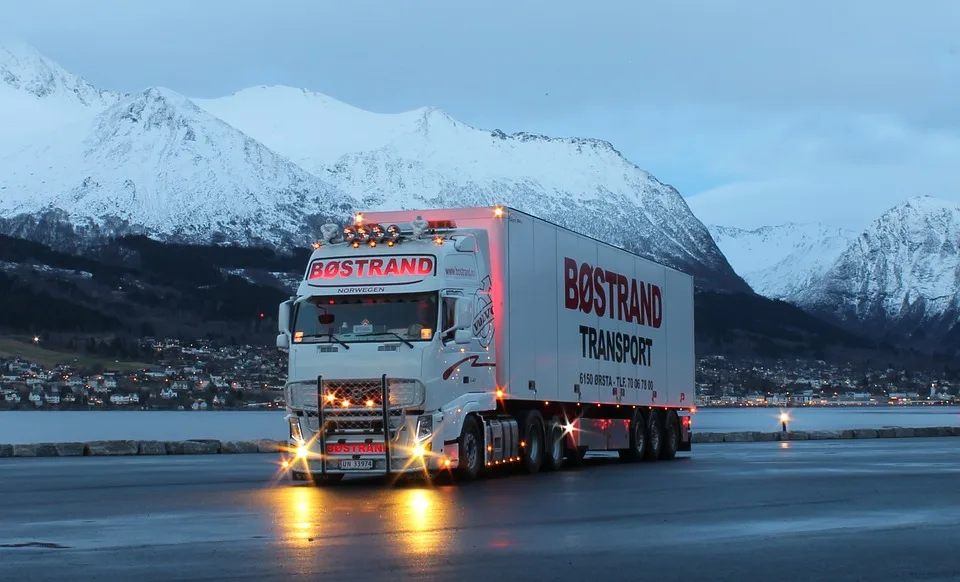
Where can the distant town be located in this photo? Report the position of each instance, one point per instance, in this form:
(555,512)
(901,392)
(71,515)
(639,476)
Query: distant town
(198,376)
(788,383)
(203,376)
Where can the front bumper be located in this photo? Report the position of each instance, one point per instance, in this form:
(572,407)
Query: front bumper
(412,450)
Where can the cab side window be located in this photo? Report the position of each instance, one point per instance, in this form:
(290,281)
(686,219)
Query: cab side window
(447,319)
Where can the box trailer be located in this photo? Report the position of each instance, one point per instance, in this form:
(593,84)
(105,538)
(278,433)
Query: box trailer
(466,339)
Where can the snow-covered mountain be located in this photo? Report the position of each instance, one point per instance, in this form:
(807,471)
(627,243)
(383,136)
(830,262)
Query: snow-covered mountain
(781,261)
(310,128)
(252,167)
(900,277)
(155,163)
(37,95)
(425,158)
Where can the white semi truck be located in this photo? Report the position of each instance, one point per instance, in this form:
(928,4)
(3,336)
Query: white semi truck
(467,339)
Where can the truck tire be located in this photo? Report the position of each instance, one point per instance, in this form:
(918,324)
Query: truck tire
(671,436)
(638,439)
(471,450)
(531,434)
(654,435)
(554,446)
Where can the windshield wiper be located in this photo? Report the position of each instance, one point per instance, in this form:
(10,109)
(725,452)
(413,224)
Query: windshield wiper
(331,336)
(393,333)
(338,340)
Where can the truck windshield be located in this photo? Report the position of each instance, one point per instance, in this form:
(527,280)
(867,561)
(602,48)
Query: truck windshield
(365,318)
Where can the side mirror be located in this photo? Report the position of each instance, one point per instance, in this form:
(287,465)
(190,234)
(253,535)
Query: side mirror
(462,336)
(326,318)
(283,341)
(283,318)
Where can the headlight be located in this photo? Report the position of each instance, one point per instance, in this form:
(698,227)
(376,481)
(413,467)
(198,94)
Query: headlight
(424,428)
(296,434)
(406,393)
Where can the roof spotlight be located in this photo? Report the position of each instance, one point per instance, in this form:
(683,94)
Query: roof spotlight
(393,233)
(376,232)
(349,233)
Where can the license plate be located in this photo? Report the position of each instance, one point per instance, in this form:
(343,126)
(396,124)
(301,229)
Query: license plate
(353,464)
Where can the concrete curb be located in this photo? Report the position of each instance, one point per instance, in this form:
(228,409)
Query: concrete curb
(141,448)
(264,446)
(800,435)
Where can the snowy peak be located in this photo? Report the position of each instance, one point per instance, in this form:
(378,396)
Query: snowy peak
(310,128)
(902,273)
(780,261)
(23,68)
(37,95)
(155,162)
(425,158)
(915,218)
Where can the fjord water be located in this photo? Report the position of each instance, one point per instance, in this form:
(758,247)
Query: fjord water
(71,426)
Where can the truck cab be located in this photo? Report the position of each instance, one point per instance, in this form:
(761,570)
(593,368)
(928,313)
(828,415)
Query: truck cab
(390,346)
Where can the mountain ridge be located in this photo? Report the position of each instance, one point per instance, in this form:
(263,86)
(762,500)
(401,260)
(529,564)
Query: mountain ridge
(98,177)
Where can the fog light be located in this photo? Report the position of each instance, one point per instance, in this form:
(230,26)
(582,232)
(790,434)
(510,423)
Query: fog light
(418,451)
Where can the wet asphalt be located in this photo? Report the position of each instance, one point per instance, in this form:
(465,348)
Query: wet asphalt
(819,510)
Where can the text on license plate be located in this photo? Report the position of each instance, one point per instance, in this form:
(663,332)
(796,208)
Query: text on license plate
(348,464)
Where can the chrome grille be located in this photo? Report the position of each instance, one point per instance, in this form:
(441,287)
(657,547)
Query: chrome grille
(356,406)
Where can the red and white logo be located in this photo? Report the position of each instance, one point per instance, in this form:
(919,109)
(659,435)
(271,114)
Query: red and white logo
(371,267)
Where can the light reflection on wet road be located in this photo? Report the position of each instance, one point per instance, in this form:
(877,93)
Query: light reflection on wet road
(882,509)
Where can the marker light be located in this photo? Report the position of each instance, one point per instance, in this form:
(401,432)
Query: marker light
(316,246)
(498,211)
(499,393)
(358,218)
(438,240)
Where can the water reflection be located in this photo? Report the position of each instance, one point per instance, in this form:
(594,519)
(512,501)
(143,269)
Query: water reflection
(299,513)
(420,519)
(325,528)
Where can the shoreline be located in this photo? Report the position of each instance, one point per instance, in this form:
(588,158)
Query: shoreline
(272,446)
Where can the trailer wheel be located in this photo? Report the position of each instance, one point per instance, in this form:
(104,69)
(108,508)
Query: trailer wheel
(654,435)
(555,446)
(471,450)
(671,436)
(531,435)
(638,439)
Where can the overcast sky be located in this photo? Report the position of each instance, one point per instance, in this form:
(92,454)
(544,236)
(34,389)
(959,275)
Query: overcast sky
(758,112)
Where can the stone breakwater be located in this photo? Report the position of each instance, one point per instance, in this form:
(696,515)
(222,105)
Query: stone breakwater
(800,435)
(263,446)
